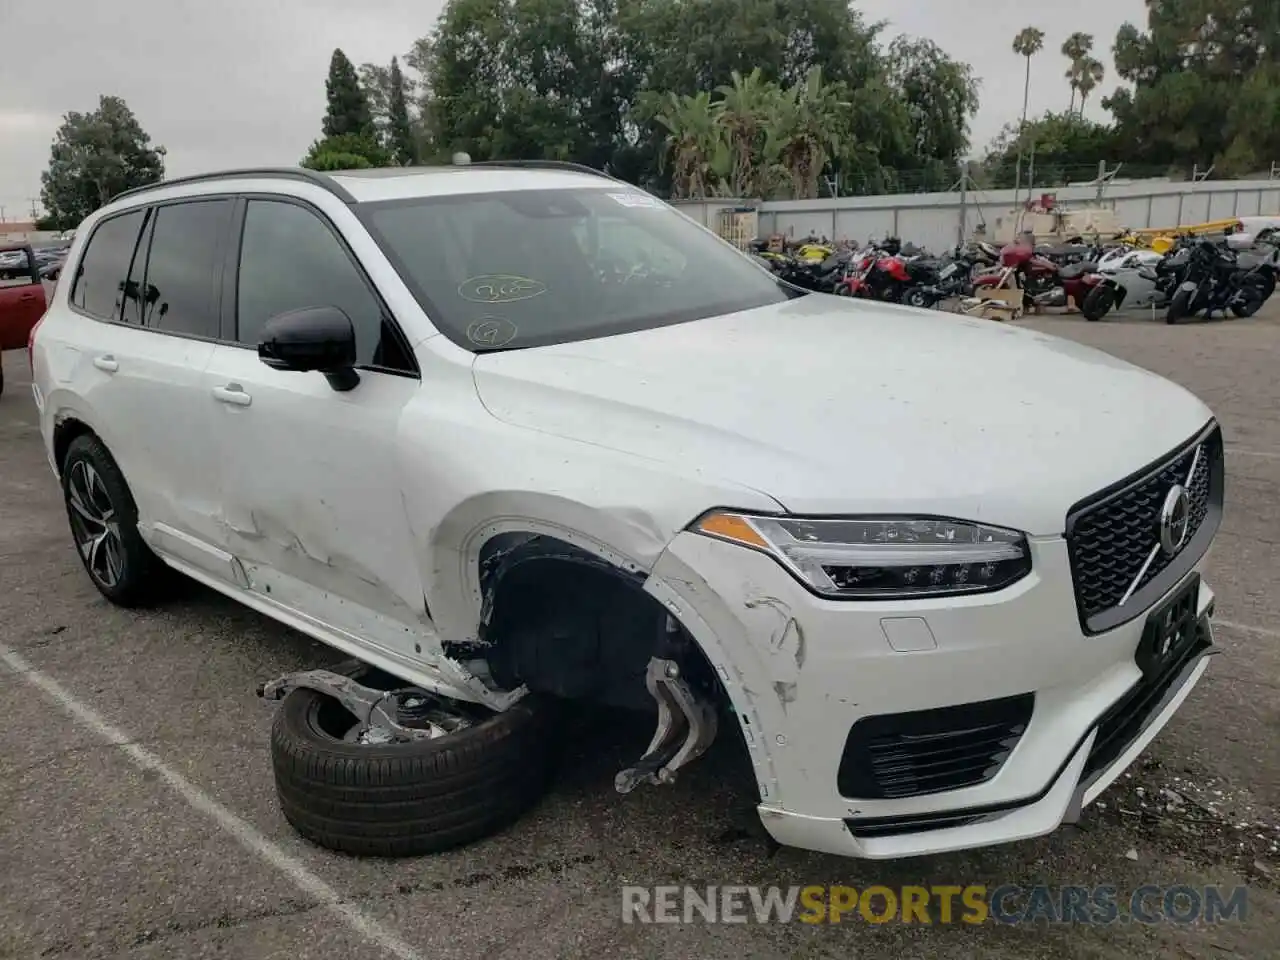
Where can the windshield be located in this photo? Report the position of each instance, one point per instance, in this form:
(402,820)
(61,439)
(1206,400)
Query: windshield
(502,271)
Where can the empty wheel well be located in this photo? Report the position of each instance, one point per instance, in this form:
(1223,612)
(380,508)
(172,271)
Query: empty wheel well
(568,623)
(66,431)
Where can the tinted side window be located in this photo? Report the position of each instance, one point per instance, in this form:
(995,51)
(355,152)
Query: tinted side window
(290,259)
(100,278)
(183,267)
(135,307)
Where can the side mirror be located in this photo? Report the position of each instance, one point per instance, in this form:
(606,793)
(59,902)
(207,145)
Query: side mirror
(320,339)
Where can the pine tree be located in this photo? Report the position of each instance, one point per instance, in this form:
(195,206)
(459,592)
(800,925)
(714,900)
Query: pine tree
(400,139)
(348,110)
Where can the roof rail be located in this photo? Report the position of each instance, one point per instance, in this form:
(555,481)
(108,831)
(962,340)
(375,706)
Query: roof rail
(545,165)
(281,173)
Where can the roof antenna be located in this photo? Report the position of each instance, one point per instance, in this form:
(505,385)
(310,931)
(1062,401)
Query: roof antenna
(461,159)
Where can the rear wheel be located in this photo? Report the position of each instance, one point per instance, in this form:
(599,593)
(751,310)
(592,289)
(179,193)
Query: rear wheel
(1248,300)
(1098,303)
(104,526)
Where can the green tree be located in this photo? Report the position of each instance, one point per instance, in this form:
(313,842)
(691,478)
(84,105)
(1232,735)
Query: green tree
(687,46)
(1204,77)
(1075,48)
(348,107)
(375,81)
(400,139)
(941,97)
(804,132)
(1068,148)
(522,79)
(95,156)
(742,113)
(696,143)
(346,151)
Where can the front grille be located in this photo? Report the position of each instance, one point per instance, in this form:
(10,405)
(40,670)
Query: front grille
(1126,718)
(898,755)
(1112,535)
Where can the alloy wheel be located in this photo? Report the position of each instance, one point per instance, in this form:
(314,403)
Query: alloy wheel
(94,525)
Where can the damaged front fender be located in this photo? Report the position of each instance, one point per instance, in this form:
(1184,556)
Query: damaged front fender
(750,677)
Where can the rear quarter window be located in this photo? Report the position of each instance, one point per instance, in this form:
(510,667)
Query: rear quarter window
(104,266)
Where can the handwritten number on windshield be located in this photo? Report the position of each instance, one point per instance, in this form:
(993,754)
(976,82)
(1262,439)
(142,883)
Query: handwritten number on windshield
(500,288)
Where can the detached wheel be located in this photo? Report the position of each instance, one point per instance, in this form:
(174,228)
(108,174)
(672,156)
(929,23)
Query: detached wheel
(1098,303)
(386,799)
(104,527)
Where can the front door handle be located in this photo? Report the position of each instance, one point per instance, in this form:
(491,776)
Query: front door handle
(27,296)
(233,394)
(106,362)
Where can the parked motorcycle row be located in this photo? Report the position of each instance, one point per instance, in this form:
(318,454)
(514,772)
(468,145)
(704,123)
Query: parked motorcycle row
(1226,275)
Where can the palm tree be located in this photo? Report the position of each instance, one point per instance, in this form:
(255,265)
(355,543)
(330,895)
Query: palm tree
(742,112)
(1027,43)
(699,154)
(1091,74)
(802,133)
(1075,49)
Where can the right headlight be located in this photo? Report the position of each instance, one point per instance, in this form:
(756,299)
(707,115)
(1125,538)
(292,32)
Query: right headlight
(877,558)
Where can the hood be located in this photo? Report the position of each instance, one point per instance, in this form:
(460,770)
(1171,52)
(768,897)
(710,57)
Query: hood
(833,406)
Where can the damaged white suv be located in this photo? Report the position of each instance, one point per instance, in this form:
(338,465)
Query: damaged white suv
(514,433)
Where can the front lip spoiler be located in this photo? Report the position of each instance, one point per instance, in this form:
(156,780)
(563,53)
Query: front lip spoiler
(870,827)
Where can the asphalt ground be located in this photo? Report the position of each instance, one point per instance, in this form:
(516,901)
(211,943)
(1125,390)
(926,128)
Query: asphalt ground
(138,818)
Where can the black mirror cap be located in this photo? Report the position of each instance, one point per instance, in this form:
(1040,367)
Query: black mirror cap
(320,339)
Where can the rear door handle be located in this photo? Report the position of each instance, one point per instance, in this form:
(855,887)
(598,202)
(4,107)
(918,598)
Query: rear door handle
(27,296)
(107,363)
(233,394)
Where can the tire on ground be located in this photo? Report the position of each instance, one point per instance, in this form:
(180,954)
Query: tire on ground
(406,799)
(145,579)
(1098,303)
(1179,307)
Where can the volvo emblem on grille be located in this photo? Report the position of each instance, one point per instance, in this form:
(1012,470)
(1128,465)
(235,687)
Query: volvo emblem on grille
(1175,519)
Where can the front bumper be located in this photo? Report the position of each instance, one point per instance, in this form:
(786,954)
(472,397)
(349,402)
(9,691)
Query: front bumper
(801,671)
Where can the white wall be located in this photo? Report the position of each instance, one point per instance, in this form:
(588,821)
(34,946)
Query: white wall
(933,219)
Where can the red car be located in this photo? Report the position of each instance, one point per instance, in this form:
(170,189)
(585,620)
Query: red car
(22,300)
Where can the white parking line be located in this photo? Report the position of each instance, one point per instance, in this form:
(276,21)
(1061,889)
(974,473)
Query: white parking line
(1266,455)
(1246,628)
(244,834)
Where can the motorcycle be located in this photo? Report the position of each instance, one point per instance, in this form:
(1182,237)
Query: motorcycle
(1215,280)
(950,277)
(820,276)
(879,274)
(1044,283)
(1128,277)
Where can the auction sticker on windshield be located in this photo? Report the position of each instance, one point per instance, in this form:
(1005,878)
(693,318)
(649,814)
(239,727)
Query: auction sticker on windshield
(640,200)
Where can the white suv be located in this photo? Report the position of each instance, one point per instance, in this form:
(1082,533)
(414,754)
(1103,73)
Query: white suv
(518,433)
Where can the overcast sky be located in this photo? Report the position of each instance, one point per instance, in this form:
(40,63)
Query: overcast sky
(241,83)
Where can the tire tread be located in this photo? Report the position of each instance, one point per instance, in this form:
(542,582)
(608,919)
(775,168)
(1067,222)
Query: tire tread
(396,800)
